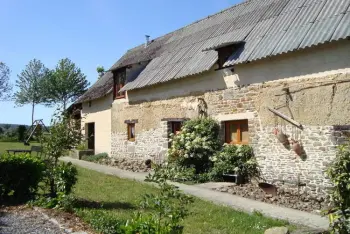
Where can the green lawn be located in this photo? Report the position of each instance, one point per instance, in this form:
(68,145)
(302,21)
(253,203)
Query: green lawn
(14,145)
(119,199)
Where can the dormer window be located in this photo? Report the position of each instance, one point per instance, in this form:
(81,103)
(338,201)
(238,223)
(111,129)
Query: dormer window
(119,78)
(224,53)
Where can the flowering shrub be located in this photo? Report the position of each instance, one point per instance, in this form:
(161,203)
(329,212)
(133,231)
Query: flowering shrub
(234,159)
(339,173)
(195,144)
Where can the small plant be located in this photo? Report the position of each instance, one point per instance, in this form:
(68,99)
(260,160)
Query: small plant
(234,159)
(339,173)
(20,175)
(95,158)
(168,208)
(82,146)
(195,144)
(174,172)
(59,177)
(65,176)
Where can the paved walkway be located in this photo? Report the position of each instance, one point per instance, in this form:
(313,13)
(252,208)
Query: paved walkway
(236,202)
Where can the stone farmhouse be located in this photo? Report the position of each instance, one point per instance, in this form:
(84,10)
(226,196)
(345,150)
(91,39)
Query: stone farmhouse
(258,67)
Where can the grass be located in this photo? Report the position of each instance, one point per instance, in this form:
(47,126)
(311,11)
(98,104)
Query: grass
(14,145)
(114,198)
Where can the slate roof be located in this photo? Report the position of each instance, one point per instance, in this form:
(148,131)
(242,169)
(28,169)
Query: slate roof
(267,28)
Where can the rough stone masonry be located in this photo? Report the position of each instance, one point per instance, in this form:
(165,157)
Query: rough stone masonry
(320,104)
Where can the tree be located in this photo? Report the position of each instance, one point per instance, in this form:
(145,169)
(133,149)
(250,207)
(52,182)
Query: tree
(1,131)
(5,86)
(31,85)
(66,83)
(64,136)
(101,71)
(21,130)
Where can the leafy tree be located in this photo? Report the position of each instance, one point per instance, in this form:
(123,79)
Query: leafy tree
(1,131)
(101,71)
(66,83)
(21,130)
(7,126)
(5,86)
(31,84)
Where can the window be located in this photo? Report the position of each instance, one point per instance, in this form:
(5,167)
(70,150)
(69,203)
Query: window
(224,53)
(119,78)
(131,131)
(236,132)
(175,127)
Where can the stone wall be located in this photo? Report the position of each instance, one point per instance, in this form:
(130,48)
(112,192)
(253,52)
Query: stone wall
(320,104)
(151,144)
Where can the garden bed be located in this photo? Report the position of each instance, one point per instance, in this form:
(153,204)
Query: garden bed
(286,197)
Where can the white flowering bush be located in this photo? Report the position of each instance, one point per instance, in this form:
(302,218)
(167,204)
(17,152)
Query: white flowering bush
(234,159)
(195,144)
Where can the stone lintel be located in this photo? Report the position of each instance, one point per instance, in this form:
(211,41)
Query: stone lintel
(238,116)
(174,119)
(131,121)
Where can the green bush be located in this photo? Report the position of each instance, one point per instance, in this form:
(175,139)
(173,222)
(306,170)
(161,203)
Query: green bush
(95,158)
(234,159)
(65,175)
(174,172)
(339,173)
(195,144)
(20,175)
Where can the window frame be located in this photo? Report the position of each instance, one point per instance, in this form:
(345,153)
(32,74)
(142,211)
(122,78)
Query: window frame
(119,81)
(172,125)
(129,127)
(238,124)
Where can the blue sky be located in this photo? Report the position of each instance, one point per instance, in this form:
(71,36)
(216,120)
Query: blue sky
(89,32)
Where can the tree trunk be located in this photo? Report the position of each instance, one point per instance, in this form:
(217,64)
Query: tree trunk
(64,105)
(33,105)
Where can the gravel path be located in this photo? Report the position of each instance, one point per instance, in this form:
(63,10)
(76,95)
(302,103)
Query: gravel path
(25,222)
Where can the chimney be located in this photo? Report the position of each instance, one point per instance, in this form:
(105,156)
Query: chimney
(147,40)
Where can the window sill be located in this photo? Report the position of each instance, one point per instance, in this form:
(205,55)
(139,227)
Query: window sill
(119,97)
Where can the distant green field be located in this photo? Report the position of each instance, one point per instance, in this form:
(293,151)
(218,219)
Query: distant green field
(14,145)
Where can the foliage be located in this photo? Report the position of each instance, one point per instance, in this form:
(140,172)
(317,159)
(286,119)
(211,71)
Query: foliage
(6,138)
(82,146)
(5,86)
(21,130)
(339,174)
(31,85)
(63,136)
(234,159)
(195,144)
(101,71)
(65,175)
(96,157)
(102,222)
(20,175)
(168,208)
(174,172)
(117,199)
(66,83)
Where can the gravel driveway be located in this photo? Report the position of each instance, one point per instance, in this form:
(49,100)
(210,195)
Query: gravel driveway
(26,221)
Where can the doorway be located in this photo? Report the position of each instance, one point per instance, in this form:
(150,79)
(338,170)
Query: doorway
(91,136)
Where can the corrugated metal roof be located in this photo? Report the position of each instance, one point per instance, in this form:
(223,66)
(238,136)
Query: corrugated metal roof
(268,28)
